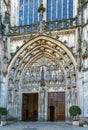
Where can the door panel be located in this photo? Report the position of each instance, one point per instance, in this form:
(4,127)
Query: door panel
(57,100)
(24,107)
(30,107)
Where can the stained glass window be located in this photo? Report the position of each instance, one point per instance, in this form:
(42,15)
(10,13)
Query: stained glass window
(21,12)
(30,11)
(25,11)
(64,9)
(35,11)
(40,1)
(59,15)
(70,8)
(55,9)
(48,10)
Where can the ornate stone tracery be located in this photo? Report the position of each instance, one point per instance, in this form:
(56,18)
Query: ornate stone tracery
(25,69)
(23,54)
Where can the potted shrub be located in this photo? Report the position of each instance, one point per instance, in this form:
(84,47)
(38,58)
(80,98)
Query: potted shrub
(3,113)
(74,112)
(85,124)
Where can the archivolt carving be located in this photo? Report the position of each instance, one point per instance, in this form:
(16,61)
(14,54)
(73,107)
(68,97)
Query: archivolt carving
(35,49)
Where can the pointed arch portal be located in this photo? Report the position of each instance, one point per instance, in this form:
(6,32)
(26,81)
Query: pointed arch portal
(42,65)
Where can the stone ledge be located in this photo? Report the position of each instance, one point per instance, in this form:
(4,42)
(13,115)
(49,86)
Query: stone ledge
(29,129)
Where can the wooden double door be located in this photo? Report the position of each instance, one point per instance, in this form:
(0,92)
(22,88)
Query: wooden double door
(30,107)
(56,106)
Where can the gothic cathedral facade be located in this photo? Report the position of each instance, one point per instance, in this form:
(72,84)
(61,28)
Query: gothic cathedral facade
(43,58)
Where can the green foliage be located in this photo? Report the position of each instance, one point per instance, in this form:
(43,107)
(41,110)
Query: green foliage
(74,110)
(3,111)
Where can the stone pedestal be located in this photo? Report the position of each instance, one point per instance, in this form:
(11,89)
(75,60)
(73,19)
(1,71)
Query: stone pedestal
(75,123)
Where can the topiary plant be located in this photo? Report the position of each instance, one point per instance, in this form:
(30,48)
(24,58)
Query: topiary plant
(74,111)
(3,111)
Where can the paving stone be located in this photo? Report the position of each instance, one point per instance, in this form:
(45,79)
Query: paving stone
(41,126)
(29,129)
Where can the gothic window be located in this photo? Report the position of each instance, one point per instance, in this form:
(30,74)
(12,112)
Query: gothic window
(30,11)
(41,1)
(21,7)
(21,12)
(56,9)
(64,9)
(25,12)
(53,10)
(59,10)
(48,10)
(35,11)
(70,8)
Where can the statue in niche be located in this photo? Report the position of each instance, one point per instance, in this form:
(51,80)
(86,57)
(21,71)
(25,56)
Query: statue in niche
(50,75)
(73,82)
(84,47)
(42,77)
(11,73)
(42,98)
(17,85)
(69,81)
(16,98)
(10,98)
(5,59)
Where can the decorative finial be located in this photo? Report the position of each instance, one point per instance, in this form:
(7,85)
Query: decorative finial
(41,10)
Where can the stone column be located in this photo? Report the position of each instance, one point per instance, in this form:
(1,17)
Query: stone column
(42,105)
(80,90)
(4,92)
(20,106)
(46,105)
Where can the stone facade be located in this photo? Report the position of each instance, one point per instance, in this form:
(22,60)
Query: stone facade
(61,52)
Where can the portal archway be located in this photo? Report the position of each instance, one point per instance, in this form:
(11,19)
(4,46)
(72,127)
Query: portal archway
(42,59)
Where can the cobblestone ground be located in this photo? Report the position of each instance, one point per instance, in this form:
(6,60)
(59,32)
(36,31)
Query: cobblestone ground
(41,126)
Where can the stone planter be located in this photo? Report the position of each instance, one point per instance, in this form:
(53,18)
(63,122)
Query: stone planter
(75,123)
(85,125)
(3,123)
